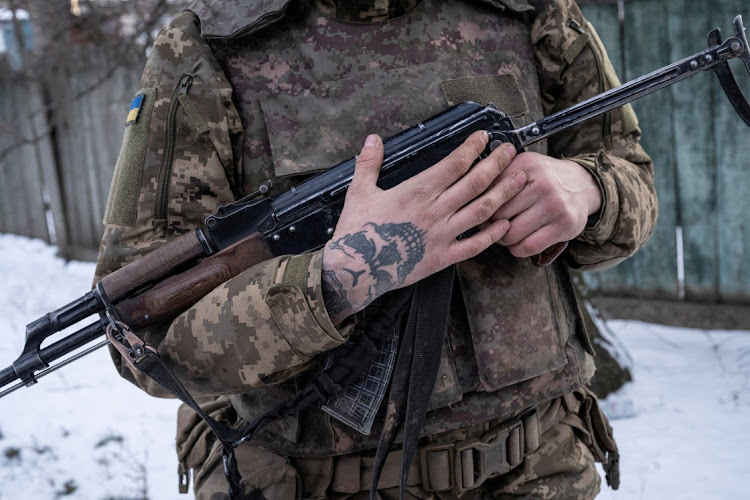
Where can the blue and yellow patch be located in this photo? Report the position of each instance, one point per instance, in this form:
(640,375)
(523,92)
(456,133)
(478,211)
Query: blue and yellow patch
(135,108)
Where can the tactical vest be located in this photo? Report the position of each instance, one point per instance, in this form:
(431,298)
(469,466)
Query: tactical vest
(309,88)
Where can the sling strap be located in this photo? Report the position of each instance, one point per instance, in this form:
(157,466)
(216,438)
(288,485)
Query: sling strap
(325,383)
(415,372)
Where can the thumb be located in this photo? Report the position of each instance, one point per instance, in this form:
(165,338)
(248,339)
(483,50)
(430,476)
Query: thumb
(367,166)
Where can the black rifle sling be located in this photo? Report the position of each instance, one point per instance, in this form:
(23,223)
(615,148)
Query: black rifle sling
(326,383)
(153,366)
(415,372)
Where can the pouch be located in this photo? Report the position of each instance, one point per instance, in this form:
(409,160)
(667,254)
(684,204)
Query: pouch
(594,429)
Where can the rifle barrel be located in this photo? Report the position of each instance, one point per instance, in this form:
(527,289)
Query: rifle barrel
(53,352)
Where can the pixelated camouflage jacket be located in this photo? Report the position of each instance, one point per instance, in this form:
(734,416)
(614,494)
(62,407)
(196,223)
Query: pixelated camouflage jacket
(277,90)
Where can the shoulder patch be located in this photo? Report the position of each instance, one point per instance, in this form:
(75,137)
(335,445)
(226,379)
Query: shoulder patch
(135,109)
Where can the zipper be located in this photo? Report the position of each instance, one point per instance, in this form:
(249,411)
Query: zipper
(572,23)
(598,57)
(161,206)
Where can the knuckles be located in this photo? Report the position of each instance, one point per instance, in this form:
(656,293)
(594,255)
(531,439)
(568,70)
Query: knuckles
(419,193)
(526,161)
(478,183)
(474,248)
(533,248)
(457,164)
(483,209)
(465,155)
(567,220)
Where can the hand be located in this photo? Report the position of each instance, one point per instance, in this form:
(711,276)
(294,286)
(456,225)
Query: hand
(390,239)
(554,207)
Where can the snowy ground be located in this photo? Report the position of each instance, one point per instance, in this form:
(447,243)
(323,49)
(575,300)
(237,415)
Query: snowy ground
(83,433)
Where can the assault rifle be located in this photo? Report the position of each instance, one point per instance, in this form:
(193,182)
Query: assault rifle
(172,278)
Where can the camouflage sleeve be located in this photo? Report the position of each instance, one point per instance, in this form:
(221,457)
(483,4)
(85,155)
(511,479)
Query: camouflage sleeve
(181,161)
(573,66)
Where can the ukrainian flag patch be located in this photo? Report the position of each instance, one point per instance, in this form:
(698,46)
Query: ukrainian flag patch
(135,108)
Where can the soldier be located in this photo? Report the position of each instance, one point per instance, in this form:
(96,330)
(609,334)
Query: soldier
(239,93)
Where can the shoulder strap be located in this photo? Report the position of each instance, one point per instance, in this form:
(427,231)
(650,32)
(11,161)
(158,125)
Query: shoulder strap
(416,370)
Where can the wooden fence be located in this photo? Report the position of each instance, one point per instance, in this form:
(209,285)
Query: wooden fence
(22,197)
(700,149)
(55,187)
(701,245)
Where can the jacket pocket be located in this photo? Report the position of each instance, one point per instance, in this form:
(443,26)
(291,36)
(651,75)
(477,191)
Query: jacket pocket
(161,204)
(193,158)
(516,329)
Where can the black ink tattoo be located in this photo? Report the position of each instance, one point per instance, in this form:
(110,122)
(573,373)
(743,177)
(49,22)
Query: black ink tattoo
(355,275)
(411,237)
(334,294)
(390,252)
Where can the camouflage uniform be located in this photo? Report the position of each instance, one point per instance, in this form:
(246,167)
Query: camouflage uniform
(236,94)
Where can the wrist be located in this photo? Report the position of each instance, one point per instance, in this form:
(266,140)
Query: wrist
(593,189)
(594,200)
(342,292)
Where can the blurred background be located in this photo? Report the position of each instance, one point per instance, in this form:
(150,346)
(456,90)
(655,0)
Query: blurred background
(68,69)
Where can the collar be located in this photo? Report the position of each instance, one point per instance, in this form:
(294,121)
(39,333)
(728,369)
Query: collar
(364,11)
(221,19)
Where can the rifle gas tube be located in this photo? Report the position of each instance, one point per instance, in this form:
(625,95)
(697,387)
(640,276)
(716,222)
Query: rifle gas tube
(173,277)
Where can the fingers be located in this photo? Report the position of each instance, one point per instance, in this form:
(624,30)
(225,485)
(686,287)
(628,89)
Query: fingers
(479,178)
(525,223)
(518,204)
(482,209)
(443,174)
(536,242)
(367,166)
(472,246)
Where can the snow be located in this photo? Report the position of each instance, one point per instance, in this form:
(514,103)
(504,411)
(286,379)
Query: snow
(691,399)
(84,433)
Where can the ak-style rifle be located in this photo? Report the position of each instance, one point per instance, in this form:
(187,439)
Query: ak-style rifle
(170,279)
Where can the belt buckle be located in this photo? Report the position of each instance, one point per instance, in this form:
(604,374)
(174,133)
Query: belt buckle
(438,458)
(468,464)
(477,460)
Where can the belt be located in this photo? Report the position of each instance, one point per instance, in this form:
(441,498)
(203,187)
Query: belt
(440,466)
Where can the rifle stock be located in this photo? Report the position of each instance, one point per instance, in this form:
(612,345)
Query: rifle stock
(170,279)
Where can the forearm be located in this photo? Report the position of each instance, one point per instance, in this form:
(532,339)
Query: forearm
(259,328)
